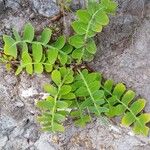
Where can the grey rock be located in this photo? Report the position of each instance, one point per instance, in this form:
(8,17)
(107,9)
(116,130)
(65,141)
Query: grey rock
(45,8)
(122,26)
(17,144)
(43,142)
(102,136)
(14,4)
(2,6)
(7,124)
(3,141)
(77,4)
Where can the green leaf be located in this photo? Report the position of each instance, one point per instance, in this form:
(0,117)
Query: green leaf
(45,104)
(56,77)
(59,44)
(27,62)
(38,68)
(138,106)
(48,66)
(24,47)
(102,18)
(108,86)
(62,104)
(128,97)
(10,46)
(46,36)
(110,6)
(88,56)
(19,70)
(79,27)
(65,89)
(50,89)
(68,96)
(119,90)
(59,117)
(86,103)
(28,32)
(75,114)
(44,118)
(96,27)
(16,35)
(58,127)
(82,91)
(63,58)
(128,119)
(92,77)
(77,53)
(83,121)
(69,79)
(93,8)
(52,55)
(67,49)
(37,52)
(99,97)
(83,16)
(91,46)
(77,41)
(94,86)
(144,130)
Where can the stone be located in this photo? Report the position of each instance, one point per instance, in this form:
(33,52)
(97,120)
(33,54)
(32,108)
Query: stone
(14,4)
(43,142)
(3,141)
(77,4)
(46,8)
(2,6)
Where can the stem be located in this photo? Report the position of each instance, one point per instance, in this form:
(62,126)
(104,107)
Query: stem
(37,42)
(55,100)
(90,93)
(81,115)
(88,28)
(125,107)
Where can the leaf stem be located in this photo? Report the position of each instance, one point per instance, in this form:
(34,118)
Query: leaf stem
(89,91)
(55,100)
(88,28)
(125,107)
(37,42)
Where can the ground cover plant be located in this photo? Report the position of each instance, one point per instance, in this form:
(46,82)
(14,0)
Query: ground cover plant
(74,91)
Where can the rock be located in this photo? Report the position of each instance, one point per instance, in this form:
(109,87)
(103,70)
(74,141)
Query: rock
(17,144)
(102,136)
(46,8)
(2,6)
(77,4)
(7,124)
(3,141)
(43,142)
(14,4)
(122,26)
